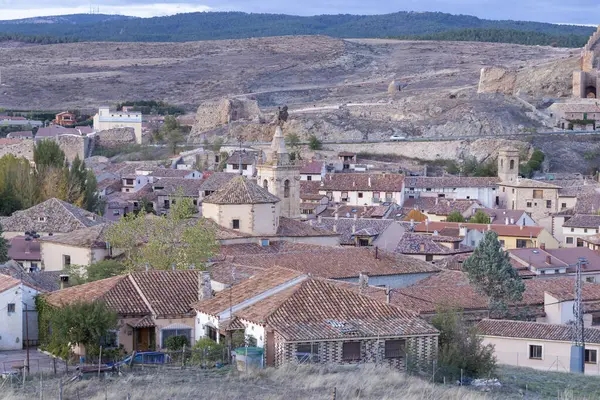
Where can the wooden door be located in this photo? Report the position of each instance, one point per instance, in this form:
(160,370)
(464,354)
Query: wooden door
(143,339)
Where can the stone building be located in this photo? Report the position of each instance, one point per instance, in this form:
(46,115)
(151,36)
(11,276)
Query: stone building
(106,119)
(281,176)
(587,80)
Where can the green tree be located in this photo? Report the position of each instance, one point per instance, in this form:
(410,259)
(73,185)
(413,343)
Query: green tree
(175,343)
(491,273)
(91,199)
(480,218)
(292,140)
(455,216)
(460,350)
(171,131)
(4,245)
(314,143)
(104,269)
(47,153)
(80,324)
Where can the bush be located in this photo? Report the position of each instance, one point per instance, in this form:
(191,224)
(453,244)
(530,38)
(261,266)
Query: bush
(208,351)
(480,218)
(175,343)
(314,143)
(455,216)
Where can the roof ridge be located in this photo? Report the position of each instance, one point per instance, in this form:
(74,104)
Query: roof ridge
(139,290)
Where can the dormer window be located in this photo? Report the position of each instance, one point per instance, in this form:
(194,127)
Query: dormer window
(41,219)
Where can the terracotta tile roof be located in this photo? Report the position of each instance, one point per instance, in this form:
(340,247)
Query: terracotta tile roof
(246,290)
(166,293)
(20,135)
(364,182)
(274,247)
(559,258)
(498,216)
(239,190)
(593,239)
(309,187)
(424,182)
(8,282)
(24,250)
(53,215)
(577,191)
(431,245)
(144,322)
(92,237)
(530,183)
(312,196)
(583,221)
(452,288)
(216,180)
(291,228)
(533,330)
(247,158)
(447,207)
(346,154)
(348,227)
(312,168)
(317,309)
(340,262)
(588,203)
(501,230)
(8,142)
(421,204)
(359,211)
(416,216)
(579,108)
(171,186)
(228,273)
(170,172)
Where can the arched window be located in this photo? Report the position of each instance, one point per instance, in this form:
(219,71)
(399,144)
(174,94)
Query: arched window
(266,184)
(512,164)
(286,189)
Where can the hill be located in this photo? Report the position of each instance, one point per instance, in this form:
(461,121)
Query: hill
(238,25)
(67,19)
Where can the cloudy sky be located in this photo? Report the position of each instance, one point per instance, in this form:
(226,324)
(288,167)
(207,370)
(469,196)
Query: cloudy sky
(557,11)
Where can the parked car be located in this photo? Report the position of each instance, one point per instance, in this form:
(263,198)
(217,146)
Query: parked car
(397,137)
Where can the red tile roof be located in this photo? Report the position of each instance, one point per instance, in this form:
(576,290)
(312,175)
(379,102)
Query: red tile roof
(533,330)
(312,168)
(501,230)
(363,182)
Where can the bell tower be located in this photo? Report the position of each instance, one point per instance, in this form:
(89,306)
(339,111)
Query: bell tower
(508,165)
(280,176)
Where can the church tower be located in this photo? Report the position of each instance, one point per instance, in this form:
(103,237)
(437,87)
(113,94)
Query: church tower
(281,176)
(508,165)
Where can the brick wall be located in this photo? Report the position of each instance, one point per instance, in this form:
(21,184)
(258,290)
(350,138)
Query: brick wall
(420,351)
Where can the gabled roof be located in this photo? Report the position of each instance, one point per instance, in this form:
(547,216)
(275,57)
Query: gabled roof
(239,190)
(583,221)
(533,330)
(424,244)
(447,207)
(317,309)
(216,180)
(92,237)
(348,227)
(291,228)
(501,230)
(22,249)
(57,217)
(170,172)
(312,168)
(423,182)
(8,282)
(171,186)
(415,216)
(530,183)
(364,182)
(246,158)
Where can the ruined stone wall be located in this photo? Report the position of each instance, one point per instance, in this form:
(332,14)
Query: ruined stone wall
(211,115)
(497,80)
(113,138)
(23,148)
(590,52)
(73,146)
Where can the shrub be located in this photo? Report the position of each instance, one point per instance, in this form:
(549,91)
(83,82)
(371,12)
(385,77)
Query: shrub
(208,351)
(455,216)
(175,343)
(314,143)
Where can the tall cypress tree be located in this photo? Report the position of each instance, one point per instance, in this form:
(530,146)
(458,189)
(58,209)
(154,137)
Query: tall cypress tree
(490,272)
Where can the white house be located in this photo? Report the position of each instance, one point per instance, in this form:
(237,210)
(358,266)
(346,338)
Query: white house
(578,227)
(245,160)
(17,325)
(484,189)
(313,171)
(363,189)
(106,119)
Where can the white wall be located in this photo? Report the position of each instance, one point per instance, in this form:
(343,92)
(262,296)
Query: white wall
(235,168)
(576,233)
(52,255)
(367,197)
(12,332)
(486,195)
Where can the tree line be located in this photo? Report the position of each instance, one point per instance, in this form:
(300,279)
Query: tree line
(23,186)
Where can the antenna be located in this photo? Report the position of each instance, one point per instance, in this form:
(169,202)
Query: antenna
(578,334)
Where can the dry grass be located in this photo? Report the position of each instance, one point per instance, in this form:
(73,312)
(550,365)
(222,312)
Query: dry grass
(293,383)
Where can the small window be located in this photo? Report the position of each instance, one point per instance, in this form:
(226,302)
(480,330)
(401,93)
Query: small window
(41,219)
(286,189)
(512,164)
(591,356)
(309,177)
(521,243)
(590,279)
(563,205)
(572,229)
(394,348)
(360,195)
(110,340)
(548,203)
(528,204)
(116,212)
(344,196)
(307,353)
(535,352)
(428,189)
(11,308)
(66,260)
(584,230)
(329,195)
(569,240)
(428,257)
(411,189)
(236,224)
(351,351)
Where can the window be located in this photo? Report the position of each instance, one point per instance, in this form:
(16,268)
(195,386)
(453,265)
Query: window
(441,195)
(307,353)
(360,195)
(569,240)
(167,333)
(411,189)
(110,340)
(236,224)
(591,356)
(538,194)
(563,205)
(166,204)
(66,260)
(33,267)
(41,219)
(129,181)
(116,212)
(535,352)
(428,189)
(389,196)
(584,230)
(286,189)
(351,351)
(528,204)
(329,195)
(521,243)
(309,177)
(548,203)
(572,229)
(11,308)
(512,164)
(344,196)
(428,257)
(363,242)
(394,348)
(590,279)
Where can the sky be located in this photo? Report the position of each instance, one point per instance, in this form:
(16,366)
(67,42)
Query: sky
(555,11)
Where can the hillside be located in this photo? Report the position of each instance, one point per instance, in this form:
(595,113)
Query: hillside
(234,25)
(67,19)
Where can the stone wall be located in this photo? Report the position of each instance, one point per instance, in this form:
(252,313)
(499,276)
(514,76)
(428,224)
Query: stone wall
(73,146)
(497,80)
(18,148)
(211,115)
(117,137)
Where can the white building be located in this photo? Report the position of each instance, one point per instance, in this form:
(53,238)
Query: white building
(246,161)
(106,119)
(313,171)
(483,189)
(15,296)
(363,189)
(578,227)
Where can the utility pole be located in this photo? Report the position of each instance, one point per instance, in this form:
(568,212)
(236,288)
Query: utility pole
(240,140)
(578,335)
(27,336)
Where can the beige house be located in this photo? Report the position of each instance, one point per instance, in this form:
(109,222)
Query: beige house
(81,247)
(579,227)
(106,119)
(151,306)
(542,346)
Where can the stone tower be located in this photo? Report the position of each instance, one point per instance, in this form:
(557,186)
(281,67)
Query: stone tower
(508,165)
(281,176)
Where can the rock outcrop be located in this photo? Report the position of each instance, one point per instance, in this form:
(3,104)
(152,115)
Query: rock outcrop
(497,80)
(214,114)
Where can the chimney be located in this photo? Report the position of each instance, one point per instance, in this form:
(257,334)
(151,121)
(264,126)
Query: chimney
(512,221)
(319,219)
(377,252)
(355,215)
(412,223)
(521,227)
(310,222)
(388,295)
(436,201)
(363,281)
(549,260)
(336,215)
(489,227)
(369,181)
(506,220)
(543,246)
(64,281)
(422,247)
(353,228)
(335,228)
(204,286)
